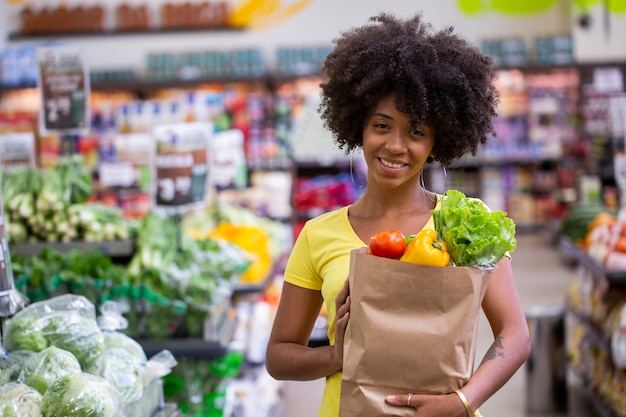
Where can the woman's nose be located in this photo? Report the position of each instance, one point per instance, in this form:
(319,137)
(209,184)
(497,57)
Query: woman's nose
(395,143)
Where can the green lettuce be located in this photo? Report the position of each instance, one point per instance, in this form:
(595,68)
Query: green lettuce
(75,333)
(45,367)
(24,333)
(475,235)
(81,395)
(19,400)
(123,370)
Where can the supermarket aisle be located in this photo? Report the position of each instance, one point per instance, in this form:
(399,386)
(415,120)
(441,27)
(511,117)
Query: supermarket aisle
(542,279)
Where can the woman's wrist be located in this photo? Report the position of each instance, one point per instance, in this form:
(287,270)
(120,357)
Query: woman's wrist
(466,404)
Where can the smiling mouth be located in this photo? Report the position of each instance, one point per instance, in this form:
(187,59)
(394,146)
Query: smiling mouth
(390,164)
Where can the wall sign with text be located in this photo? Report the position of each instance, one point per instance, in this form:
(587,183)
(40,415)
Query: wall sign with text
(64,87)
(181,164)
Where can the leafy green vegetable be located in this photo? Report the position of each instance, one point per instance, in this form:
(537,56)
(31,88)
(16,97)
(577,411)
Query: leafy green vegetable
(24,333)
(75,333)
(45,367)
(81,395)
(19,400)
(11,365)
(122,341)
(123,370)
(475,235)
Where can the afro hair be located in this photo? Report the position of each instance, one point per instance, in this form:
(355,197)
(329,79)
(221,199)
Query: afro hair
(438,78)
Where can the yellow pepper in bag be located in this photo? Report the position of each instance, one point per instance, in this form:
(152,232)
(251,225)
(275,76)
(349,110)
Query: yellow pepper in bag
(425,249)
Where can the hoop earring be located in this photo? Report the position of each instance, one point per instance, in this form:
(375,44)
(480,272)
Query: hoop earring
(352,175)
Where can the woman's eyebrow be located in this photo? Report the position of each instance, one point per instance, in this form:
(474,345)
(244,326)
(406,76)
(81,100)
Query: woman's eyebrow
(386,116)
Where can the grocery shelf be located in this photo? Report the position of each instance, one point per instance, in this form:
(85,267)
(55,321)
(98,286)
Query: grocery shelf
(573,252)
(117,248)
(598,406)
(16,36)
(196,348)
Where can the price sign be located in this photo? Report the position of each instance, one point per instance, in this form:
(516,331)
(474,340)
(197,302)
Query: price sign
(17,150)
(63,82)
(181,164)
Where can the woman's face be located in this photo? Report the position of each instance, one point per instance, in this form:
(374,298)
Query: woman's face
(394,149)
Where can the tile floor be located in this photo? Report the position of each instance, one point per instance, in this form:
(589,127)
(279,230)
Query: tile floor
(542,277)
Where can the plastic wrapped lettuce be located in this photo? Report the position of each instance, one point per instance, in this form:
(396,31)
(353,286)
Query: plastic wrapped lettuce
(23,332)
(12,365)
(475,235)
(67,322)
(81,395)
(45,367)
(122,370)
(19,400)
(112,322)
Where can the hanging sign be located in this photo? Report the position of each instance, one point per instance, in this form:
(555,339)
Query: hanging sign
(17,150)
(63,82)
(181,164)
(124,158)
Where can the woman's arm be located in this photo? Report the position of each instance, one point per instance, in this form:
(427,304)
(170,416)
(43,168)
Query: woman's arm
(288,355)
(511,346)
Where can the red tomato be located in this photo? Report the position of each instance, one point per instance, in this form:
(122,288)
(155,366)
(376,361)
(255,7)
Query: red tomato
(389,244)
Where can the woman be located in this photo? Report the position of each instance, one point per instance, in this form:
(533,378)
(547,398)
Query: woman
(407,95)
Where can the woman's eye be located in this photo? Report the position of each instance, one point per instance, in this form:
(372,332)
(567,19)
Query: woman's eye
(417,132)
(380,125)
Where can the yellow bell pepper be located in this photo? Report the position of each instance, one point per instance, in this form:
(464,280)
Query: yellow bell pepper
(425,249)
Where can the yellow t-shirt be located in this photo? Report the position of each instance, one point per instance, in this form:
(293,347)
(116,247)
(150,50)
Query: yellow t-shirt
(320,260)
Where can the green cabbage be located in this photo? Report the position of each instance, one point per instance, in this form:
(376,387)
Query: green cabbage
(75,333)
(122,370)
(12,364)
(23,332)
(81,395)
(475,236)
(45,367)
(19,400)
(121,340)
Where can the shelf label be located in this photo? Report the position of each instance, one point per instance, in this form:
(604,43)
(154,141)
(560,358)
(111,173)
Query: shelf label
(181,164)
(606,80)
(63,82)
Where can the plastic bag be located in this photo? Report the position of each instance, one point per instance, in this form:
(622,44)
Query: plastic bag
(19,400)
(67,322)
(43,368)
(82,394)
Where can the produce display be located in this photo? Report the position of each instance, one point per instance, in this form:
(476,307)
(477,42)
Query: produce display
(50,205)
(599,232)
(59,360)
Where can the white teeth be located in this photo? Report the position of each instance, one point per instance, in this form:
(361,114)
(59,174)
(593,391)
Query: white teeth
(391,164)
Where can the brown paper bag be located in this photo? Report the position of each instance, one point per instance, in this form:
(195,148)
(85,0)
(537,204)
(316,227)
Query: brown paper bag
(412,328)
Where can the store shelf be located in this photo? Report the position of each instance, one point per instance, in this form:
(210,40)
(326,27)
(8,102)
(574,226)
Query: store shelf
(599,407)
(118,248)
(18,36)
(196,348)
(572,252)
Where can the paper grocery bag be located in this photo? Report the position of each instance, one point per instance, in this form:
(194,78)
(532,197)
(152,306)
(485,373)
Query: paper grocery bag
(412,328)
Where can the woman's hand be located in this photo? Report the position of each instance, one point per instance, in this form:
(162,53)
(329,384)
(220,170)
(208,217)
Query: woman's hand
(448,405)
(342,306)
